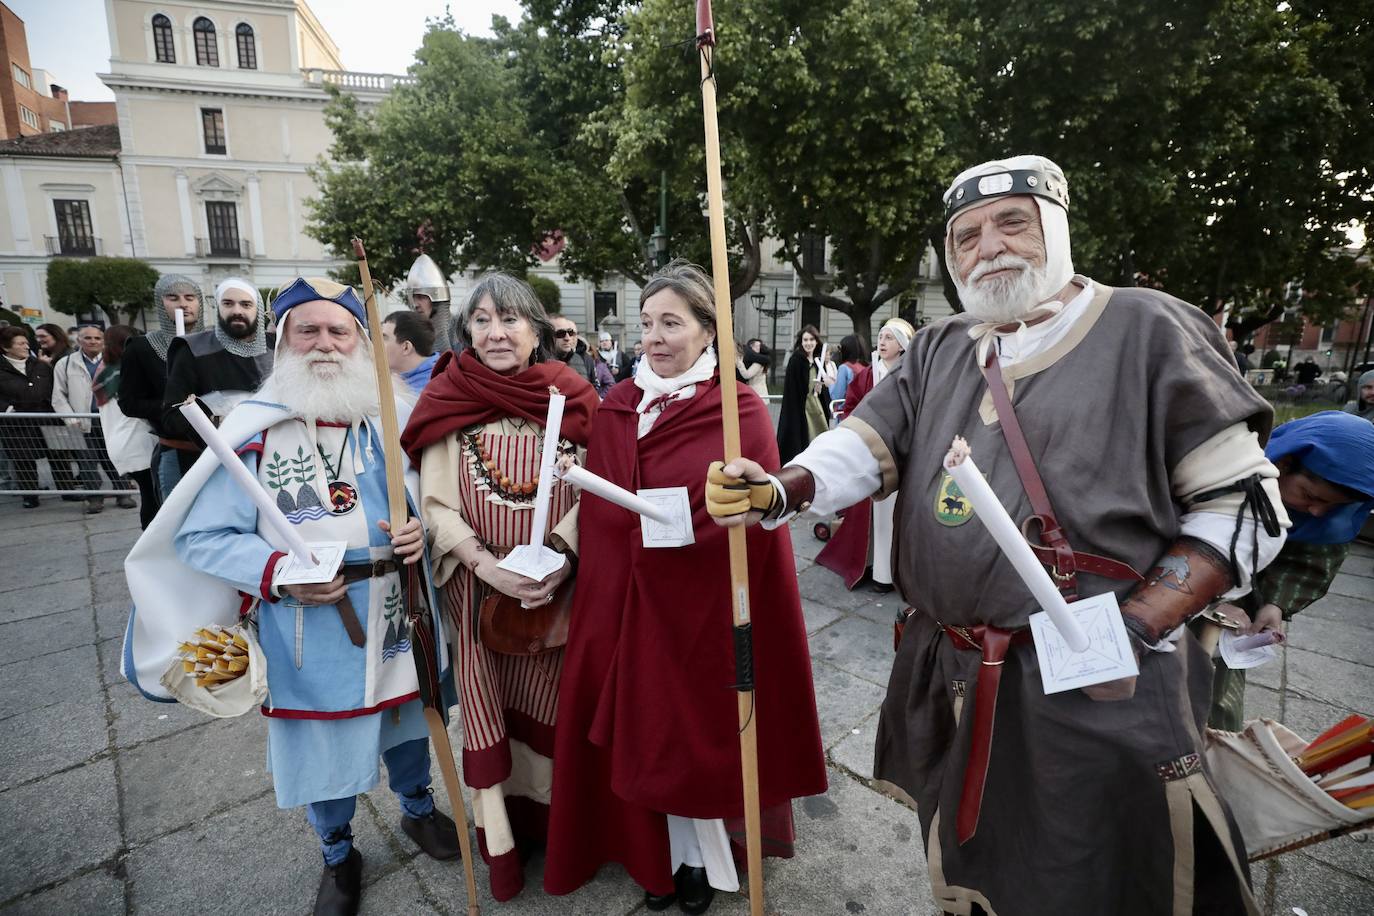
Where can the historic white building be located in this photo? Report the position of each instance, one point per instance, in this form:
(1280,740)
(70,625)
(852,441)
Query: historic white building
(220,109)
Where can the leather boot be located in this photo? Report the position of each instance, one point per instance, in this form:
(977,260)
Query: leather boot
(694,892)
(341,887)
(435,834)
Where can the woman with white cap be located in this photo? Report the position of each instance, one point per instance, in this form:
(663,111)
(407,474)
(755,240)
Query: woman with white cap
(863,543)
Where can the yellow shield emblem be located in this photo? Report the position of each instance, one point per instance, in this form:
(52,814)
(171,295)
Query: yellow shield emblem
(952,507)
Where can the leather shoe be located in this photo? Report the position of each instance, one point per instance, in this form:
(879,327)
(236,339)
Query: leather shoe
(694,892)
(435,834)
(658,902)
(95,505)
(125,502)
(341,887)
(30,502)
(881,588)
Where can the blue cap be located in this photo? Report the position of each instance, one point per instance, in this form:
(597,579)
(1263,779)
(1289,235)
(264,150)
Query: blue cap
(308,289)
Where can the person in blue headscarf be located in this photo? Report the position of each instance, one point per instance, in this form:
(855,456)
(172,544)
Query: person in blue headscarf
(1326,481)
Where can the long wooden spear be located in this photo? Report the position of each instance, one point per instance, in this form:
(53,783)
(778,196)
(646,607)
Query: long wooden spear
(423,648)
(739,557)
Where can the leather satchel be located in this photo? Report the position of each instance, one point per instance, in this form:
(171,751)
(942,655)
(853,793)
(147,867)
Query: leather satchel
(506,627)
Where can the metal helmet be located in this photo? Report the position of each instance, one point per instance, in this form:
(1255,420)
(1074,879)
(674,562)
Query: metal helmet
(426,279)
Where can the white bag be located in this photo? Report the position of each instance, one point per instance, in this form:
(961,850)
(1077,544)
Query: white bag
(232,698)
(1276,805)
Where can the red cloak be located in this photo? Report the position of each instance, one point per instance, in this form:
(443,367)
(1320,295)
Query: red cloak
(846,553)
(647,720)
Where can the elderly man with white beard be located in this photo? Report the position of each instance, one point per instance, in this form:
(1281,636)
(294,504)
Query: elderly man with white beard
(1113,425)
(341,680)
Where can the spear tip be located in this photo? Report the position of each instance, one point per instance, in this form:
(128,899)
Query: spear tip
(358,249)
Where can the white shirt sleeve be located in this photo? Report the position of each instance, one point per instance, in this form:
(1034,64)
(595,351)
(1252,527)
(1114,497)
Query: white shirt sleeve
(1217,530)
(843,468)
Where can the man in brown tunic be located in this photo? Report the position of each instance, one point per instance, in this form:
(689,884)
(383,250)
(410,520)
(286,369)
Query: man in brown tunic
(1148,443)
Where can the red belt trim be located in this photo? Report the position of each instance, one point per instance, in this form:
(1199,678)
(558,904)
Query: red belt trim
(994,644)
(279,713)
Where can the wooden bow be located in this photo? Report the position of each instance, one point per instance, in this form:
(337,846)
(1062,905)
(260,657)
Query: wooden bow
(739,557)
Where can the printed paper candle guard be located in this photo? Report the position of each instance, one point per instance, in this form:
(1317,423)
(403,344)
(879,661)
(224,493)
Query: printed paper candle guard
(214,656)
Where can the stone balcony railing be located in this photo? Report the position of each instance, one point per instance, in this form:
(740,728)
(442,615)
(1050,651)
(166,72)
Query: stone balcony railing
(353,80)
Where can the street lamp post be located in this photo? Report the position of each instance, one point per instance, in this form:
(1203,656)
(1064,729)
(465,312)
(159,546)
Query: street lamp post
(775,313)
(659,239)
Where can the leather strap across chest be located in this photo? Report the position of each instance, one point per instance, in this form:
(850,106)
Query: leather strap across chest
(1053,548)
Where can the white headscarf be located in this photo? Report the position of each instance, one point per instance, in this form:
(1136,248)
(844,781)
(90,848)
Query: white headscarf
(1054,227)
(255,345)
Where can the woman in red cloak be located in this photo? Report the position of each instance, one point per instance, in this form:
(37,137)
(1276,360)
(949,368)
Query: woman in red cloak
(476,435)
(647,741)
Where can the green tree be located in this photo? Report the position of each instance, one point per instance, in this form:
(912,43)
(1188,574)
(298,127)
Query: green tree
(547,292)
(440,166)
(1216,149)
(833,119)
(115,286)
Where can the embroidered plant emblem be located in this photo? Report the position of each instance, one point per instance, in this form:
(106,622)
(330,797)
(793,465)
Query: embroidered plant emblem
(397,627)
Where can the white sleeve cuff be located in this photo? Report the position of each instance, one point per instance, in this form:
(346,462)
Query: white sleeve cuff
(1218,530)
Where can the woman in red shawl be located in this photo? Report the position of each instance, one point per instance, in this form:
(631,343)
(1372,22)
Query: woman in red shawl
(648,755)
(476,434)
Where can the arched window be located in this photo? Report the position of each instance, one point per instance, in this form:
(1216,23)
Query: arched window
(207,54)
(248,52)
(163,49)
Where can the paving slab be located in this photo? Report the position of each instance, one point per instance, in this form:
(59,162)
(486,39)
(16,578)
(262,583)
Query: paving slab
(820,584)
(1297,880)
(398,892)
(95,893)
(37,575)
(843,701)
(818,616)
(45,740)
(1360,587)
(111,620)
(1332,639)
(111,588)
(53,598)
(56,827)
(856,645)
(269,855)
(176,781)
(37,683)
(137,719)
(1350,612)
(21,640)
(854,752)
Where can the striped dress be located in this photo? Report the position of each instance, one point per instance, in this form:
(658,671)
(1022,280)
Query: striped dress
(508,703)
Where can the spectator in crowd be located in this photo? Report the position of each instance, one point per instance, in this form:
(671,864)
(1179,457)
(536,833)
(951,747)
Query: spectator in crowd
(568,348)
(72,393)
(219,367)
(129,440)
(409,341)
(52,343)
(1242,355)
(851,363)
(605,377)
(25,387)
(1306,372)
(804,415)
(639,355)
(1326,482)
(610,353)
(1363,405)
(143,378)
(752,362)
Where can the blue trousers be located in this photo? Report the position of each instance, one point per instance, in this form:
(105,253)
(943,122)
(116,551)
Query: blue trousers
(407,771)
(166,470)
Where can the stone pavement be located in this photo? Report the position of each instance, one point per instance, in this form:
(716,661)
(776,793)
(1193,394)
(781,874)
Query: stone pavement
(111,804)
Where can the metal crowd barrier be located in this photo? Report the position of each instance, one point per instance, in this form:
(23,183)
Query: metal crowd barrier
(45,454)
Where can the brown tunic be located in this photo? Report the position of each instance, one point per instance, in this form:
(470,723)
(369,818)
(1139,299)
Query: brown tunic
(1089,807)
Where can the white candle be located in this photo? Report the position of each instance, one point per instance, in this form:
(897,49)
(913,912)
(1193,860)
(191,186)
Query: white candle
(552,423)
(993,515)
(584,479)
(267,509)
(181,323)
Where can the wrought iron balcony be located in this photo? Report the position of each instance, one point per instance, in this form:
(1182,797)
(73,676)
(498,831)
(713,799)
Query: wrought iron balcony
(229,249)
(82,247)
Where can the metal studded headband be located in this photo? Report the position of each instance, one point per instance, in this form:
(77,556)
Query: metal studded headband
(979,188)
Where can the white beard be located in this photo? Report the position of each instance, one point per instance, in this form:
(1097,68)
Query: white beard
(325,386)
(1005,299)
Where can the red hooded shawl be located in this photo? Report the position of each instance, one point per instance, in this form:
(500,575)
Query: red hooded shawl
(463,392)
(647,719)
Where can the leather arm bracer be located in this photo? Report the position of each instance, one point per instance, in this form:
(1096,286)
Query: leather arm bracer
(1183,582)
(798,487)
